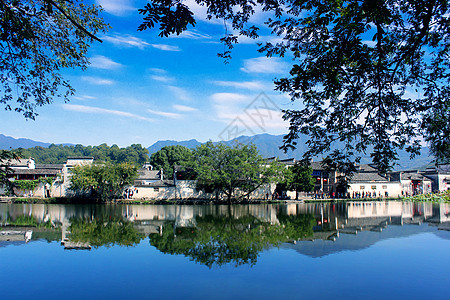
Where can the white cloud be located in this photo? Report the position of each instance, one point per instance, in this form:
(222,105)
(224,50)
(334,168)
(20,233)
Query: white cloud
(369,43)
(98,110)
(180,93)
(165,114)
(103,62)
(97,80)
(126,40)
(249,85)
(184,108)
(200,12)
(161,78)
(259,113)
(230,98)
(157,70)
(274,39)
(116,7)
(265,65)
(84,97)
(165,47)
(192,34)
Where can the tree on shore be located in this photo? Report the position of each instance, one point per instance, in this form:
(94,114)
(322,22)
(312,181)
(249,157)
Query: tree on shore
(299,179)
(369,73)
(104,181)
(6,158)
(170,156)
(234,172)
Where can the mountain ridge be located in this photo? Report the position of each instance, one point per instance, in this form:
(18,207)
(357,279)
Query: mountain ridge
(267,145)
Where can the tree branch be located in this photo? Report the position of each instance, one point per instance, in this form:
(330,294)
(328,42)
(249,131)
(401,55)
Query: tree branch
(74,22)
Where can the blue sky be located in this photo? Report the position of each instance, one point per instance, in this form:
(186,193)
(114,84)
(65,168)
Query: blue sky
(141,88)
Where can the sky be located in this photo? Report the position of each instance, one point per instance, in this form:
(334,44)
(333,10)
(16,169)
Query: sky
(141,88)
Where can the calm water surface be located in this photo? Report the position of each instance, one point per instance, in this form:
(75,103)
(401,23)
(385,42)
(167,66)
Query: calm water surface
(374,250)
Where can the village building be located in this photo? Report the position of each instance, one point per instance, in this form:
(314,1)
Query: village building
(27,169)
(154,185)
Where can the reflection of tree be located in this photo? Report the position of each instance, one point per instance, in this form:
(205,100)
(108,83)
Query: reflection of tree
(104,232)
(222,240)
(27,221)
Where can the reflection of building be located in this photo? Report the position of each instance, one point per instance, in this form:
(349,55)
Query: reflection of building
(333,221)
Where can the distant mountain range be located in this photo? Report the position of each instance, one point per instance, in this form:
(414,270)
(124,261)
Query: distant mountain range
(267,144)
(7,143)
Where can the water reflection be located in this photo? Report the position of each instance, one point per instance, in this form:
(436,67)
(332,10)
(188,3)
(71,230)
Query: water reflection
(218,240)
(216,235)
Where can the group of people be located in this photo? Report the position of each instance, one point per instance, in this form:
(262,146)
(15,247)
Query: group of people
(128,193)
(373,194)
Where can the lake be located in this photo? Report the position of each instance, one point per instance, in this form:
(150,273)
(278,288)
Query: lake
(374,250)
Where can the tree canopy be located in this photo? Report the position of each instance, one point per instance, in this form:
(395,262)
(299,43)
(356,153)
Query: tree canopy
(170,156)
(371,74)
(38,39)
(299,178)
(57,154)
(103,181)
(233,171)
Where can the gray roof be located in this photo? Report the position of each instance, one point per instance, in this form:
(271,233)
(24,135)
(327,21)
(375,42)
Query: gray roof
(368,177)
(367,168)
(159,183)
(413,176)
(22,162)
(51,172)
(50,166)
(146,174)
(317,165)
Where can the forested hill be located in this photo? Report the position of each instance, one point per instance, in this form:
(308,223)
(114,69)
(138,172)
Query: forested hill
(57,154)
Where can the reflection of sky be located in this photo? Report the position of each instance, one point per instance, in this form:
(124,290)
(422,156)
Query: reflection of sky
(408,267)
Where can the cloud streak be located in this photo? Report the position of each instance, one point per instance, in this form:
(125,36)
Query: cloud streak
(265,65)
(126,40)
(116,7)
(104,111)
(165,114)
(130,41)
(249,85)
(103,62)
(184,108)
(97,80)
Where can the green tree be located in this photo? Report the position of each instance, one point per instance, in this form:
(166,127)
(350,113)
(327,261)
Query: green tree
(135,154)
(170,156)
(300,179)
(104,181)
(6,159)
(38,39)
(371,74)
(231,171)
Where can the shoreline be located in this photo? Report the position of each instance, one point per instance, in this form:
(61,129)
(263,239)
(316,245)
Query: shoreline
(60,200)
